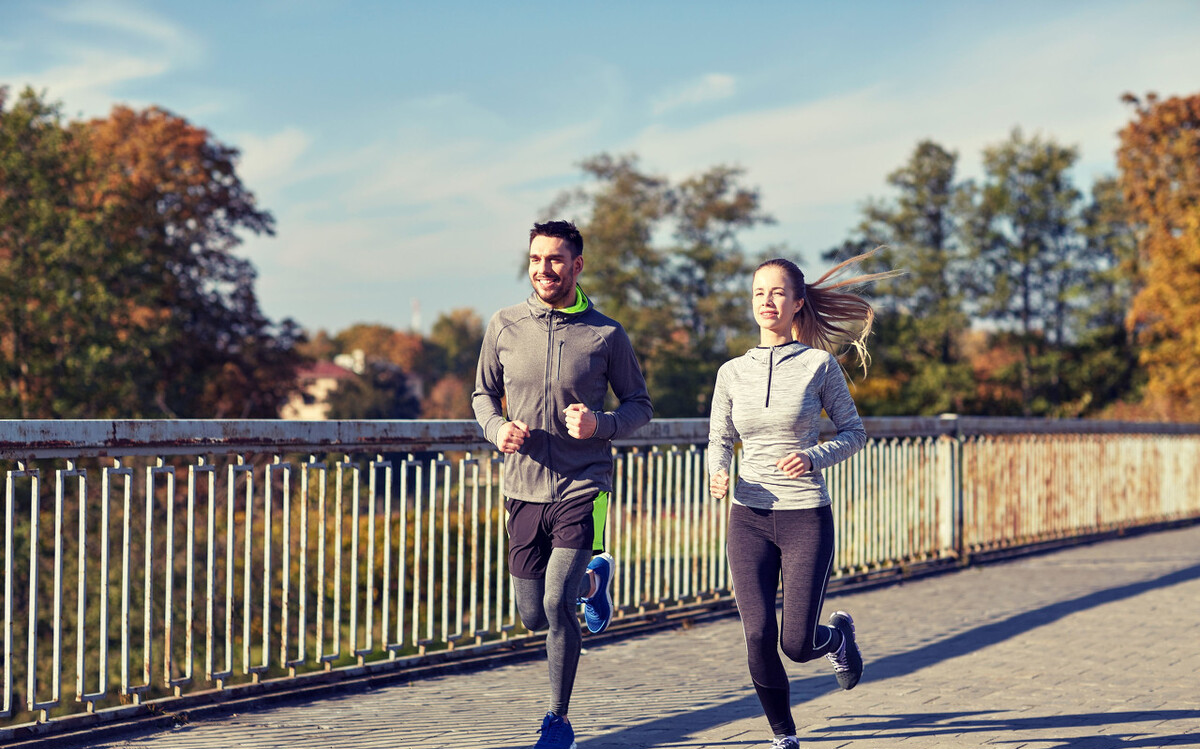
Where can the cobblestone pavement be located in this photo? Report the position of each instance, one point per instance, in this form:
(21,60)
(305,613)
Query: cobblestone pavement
(1085,648)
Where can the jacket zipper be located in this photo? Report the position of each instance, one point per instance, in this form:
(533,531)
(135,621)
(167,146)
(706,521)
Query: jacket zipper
(770,369)
(547,416)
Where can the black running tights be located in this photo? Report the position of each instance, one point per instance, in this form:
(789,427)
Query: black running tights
(765,546)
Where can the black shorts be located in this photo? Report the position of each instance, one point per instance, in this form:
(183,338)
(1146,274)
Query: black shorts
(534,528)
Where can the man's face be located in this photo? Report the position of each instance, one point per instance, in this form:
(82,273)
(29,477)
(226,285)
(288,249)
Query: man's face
(552,271)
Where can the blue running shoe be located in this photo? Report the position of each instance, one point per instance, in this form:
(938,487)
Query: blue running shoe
(556,733)
(598,609)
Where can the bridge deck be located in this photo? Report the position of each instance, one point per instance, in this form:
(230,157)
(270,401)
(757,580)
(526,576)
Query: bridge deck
(1089,647)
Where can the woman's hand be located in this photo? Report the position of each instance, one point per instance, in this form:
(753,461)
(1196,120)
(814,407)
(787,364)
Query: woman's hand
(718,484)
(794,465)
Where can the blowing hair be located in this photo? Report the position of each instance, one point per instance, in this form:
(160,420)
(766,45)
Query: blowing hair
(834,317)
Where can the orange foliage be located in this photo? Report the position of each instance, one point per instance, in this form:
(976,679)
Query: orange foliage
(405,350)
(1159,158)
(450,398)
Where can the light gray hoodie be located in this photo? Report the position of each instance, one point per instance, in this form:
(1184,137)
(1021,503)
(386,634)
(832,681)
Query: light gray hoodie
(771,399)
(542,360)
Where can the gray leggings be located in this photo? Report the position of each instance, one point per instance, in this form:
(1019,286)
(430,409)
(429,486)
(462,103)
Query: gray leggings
(552,602)
(766,547)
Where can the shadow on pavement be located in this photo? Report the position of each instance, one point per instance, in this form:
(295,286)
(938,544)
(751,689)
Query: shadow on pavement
(911,725)
(902,664)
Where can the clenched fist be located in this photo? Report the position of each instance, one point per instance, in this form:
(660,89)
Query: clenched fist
(511,436)
(794,465)
(718,484)
(581,421)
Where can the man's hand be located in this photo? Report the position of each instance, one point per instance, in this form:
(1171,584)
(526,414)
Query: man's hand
(581,421)
(718,484)
(794,465)
(511,436)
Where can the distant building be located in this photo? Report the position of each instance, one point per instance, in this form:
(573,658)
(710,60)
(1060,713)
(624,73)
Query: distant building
(316,382)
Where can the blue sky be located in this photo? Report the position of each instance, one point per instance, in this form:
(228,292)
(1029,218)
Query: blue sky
(405,148)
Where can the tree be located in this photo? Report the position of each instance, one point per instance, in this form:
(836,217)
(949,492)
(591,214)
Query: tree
(449,398)
(458,335)
(409,351)
(1024,241)
(683,303)
(170,193)
(622,266)
(57,351)
(380,392)
(122,294)
(921,321)
(1159,162)
(1103,370)
(707,280)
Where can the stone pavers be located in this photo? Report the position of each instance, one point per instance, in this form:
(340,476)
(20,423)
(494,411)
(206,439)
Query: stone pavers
(1085,648)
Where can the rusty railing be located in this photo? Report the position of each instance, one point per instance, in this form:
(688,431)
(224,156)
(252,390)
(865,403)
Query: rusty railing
(158,562)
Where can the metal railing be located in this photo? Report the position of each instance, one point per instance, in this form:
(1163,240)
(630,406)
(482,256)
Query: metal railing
(154,560)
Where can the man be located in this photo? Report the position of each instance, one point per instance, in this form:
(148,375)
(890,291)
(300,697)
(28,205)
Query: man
(553,358)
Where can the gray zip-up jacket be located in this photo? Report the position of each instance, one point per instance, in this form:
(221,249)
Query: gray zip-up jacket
(771,398)
(543,360)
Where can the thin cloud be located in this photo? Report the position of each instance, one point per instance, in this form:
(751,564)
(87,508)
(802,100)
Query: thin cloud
(816,162)
(101,47)
(707,88)
(86,83)
(123,18)
(270,161)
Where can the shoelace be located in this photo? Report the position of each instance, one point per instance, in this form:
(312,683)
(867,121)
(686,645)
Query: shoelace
(553,729)
(839,660)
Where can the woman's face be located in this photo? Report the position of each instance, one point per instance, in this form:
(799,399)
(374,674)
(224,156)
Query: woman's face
(773,301)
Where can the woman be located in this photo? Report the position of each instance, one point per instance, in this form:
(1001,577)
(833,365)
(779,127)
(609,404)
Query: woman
(780,522)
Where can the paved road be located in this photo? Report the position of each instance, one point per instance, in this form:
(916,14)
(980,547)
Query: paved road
(1085,648)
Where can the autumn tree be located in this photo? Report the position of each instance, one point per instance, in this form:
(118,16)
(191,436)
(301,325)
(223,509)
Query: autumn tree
(168,192)
(1159,162)
(124,297)
(407,350)
(457,336)
(439,369)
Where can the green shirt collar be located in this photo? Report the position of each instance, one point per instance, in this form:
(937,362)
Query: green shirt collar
(581,301)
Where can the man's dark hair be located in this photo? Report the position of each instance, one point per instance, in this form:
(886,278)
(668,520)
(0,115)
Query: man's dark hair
(564,230)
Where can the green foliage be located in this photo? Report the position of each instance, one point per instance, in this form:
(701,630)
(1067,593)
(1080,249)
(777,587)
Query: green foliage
(458,336)
(120,293)
(905,378)
(916,348)
(1044,273)
(683,300)
(1024,243)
